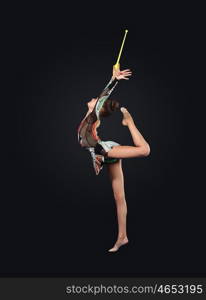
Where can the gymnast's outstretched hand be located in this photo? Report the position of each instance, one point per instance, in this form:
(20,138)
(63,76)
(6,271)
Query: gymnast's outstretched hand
(121,74)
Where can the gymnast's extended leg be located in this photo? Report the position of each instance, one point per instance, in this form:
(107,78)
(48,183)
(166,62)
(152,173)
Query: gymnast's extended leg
(140,148)
(117,180)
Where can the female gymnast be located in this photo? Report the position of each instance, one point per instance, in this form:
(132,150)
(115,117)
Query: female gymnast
(109,152)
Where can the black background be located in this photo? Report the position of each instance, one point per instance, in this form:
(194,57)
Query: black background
(58,218)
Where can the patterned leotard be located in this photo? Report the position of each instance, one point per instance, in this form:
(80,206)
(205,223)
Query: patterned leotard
(87,135)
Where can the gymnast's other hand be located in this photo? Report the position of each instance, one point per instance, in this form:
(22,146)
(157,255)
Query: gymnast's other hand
(121,74)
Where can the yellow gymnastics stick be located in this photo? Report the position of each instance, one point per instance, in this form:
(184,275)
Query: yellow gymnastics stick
(117,65)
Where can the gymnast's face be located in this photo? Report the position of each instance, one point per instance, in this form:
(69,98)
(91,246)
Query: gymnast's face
(91,103)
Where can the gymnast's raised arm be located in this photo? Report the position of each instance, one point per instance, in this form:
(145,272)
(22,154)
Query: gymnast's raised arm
(116,76)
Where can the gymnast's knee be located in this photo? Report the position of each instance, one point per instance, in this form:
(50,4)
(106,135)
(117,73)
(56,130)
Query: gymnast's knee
(145,149)
(119,197)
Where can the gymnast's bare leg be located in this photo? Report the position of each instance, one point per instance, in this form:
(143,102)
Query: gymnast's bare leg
(117,181)
(140,148)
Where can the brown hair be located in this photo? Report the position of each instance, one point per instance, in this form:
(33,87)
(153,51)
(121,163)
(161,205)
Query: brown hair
(109,107)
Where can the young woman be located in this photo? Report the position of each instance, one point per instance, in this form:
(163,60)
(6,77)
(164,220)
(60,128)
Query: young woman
(109,152)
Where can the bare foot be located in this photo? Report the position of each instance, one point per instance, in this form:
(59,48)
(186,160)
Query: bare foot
(118,244)
(127,118)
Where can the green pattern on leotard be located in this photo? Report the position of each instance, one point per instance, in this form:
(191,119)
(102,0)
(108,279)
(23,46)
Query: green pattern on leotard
(110,160)
(105,95)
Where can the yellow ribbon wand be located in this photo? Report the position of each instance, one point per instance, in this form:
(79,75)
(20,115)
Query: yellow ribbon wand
(117,65)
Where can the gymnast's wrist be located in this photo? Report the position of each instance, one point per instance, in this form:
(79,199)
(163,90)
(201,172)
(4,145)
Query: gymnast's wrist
(114,78)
